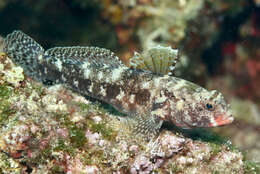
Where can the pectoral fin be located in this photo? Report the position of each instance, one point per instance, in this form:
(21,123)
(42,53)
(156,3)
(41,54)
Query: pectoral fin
(146,126)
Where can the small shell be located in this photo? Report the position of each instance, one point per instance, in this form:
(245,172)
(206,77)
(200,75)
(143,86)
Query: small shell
(159,59)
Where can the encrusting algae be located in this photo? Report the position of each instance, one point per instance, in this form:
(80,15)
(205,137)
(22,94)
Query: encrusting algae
(52,129)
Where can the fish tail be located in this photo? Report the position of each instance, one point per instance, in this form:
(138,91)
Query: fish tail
(24,51)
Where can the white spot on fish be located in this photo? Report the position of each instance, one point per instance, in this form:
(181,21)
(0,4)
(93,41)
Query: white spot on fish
(87,73)
(85,65)
(103,91)
(45,70)
(117,73)
(180,105)
(63,78)
(58,64)
(76,83)
(132,99)
(145,85)
(91,87)
(40,58)
(120,95)
(157,82)
(100,75)
(162,98)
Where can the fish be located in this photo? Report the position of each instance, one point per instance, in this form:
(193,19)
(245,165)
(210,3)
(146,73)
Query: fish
(146,96)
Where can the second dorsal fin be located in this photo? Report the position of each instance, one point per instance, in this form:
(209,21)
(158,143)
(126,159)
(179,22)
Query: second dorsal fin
(96,56)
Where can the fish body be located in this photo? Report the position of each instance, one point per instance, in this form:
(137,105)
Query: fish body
(148,97)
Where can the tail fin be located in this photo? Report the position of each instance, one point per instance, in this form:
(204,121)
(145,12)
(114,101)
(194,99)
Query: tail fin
(24,51)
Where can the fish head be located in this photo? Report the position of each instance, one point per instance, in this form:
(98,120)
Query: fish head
(211,109)
(194,106)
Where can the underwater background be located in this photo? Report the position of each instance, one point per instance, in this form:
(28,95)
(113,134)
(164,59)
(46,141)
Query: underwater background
(219,48)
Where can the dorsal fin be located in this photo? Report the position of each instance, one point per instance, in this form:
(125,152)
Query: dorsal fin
(96,56)
(158,59)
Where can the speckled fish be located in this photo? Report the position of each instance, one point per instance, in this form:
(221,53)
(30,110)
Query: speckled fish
(147,97)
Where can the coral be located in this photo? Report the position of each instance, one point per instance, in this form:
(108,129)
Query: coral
(165,19)
(161,26)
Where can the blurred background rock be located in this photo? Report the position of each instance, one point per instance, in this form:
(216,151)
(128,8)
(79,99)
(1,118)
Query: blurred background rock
(218,42)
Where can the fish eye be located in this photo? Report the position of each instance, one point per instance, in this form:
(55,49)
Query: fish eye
(209,106)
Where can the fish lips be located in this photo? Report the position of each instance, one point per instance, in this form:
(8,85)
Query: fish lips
(221,120)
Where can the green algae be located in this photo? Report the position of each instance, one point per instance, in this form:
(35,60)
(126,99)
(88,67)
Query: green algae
(174,168)
(39,89)
(57,169)
(103,129)
(5,106)
(45,154)
(8,165)
(75,140)
(77,137)
(5,91)
(76,134)
(93,157)
(5,112)
(61,146)
(83,106)
(215,148)
(251,167)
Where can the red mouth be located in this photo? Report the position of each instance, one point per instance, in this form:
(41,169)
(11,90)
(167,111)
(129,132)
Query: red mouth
(222,120)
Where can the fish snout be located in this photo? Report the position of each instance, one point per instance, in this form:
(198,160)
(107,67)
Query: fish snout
(221,120)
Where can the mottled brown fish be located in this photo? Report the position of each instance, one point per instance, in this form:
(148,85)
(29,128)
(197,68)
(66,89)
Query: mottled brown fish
(147,97)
